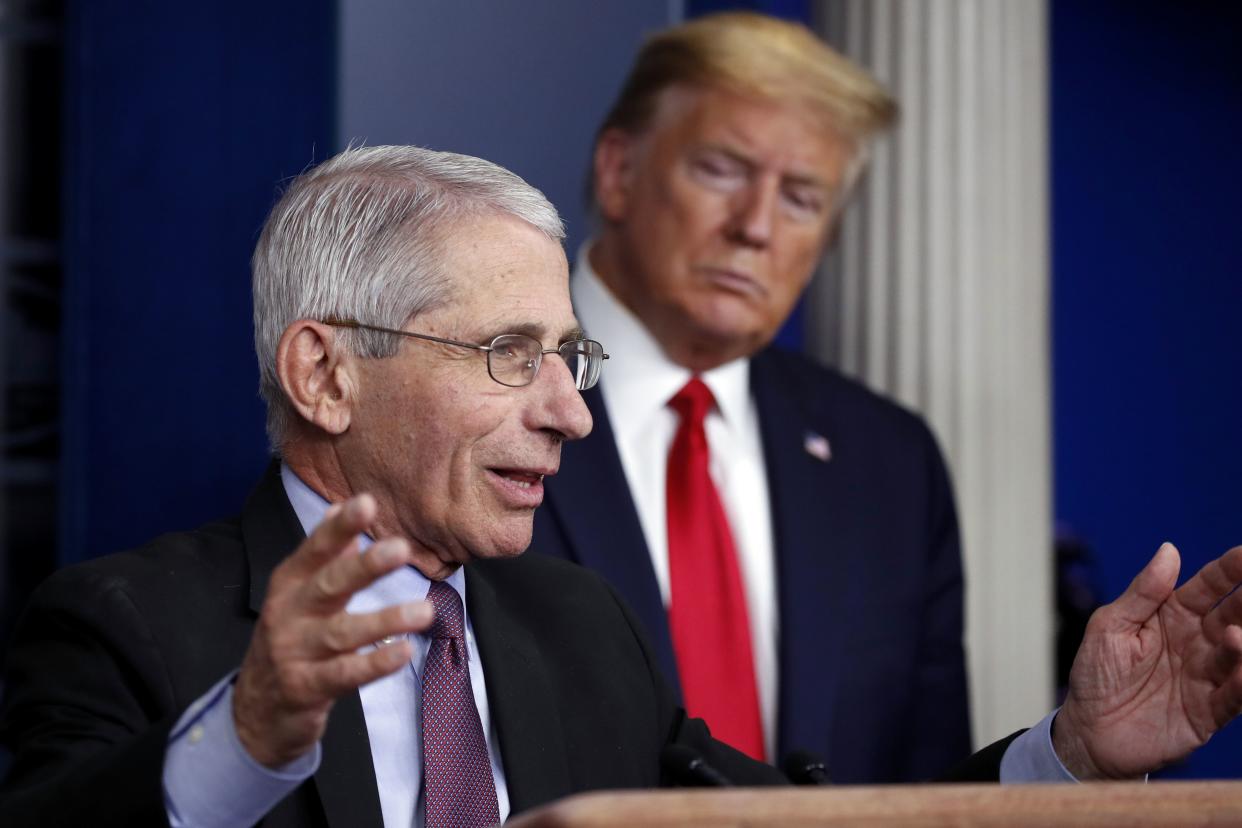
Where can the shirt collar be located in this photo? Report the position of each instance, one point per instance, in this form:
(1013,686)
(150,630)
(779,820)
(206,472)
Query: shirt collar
(310,507)
(639,378)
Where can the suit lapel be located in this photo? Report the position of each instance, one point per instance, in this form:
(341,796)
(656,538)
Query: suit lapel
(346,776)
(590,500)
(271,531)
(345,780)
(811,533)
(520,694)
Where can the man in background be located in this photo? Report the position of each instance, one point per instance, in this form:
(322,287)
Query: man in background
(788,538)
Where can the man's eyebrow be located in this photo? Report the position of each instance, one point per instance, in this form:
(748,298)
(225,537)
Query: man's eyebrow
(534,330)
(800,179)
(537,331)
(737,156)
(808,180)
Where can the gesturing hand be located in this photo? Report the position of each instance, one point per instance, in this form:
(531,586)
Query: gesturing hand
(1159,671)
(303,653)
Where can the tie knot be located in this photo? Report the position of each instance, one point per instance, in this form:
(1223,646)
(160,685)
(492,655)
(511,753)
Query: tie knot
(448,622)
(693,401)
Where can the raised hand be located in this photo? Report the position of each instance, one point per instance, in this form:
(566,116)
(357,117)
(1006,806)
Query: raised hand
(303,654)
(1159,671)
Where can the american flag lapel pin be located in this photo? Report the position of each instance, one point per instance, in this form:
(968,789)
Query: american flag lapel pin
(817,446)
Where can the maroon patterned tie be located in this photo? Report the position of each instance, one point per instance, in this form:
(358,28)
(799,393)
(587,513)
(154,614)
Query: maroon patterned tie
(457,775)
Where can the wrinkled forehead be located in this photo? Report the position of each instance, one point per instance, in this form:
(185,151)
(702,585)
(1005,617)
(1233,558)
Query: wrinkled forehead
(692,112)
(508,276)
(679,101)
(763,130)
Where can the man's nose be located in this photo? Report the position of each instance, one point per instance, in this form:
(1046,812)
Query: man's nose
(560,407)
(754,213)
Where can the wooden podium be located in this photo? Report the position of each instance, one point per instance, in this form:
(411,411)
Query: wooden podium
(1098,804)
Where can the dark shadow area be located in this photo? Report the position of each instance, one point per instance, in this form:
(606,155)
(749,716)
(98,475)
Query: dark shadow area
(30,308)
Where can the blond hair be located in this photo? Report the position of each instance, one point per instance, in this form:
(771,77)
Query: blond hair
(761,57)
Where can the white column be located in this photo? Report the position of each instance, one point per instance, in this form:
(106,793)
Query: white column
(937,294)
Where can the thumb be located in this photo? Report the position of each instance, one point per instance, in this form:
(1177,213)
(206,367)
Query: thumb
(1150,588)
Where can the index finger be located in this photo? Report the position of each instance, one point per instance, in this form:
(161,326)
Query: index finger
(335,533)
(1212,583)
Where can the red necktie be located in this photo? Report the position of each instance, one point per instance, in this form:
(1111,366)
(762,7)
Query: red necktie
(457,775)
(707,612)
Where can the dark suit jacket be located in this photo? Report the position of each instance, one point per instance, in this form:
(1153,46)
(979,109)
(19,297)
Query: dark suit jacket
(872,674)
(110,653)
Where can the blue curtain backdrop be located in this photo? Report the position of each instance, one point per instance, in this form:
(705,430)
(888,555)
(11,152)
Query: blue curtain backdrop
(180,119)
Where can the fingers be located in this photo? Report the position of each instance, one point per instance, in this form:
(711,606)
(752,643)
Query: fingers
(1226,700)
(281,714)
(1227,612)
(1226,655)
(304,651)
(345,633)
(332,585)
(335,533)
(343,674)
(1149,589)
(1212,583)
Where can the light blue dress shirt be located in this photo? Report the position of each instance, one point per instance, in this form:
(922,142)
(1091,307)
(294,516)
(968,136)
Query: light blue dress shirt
(210,780)
(1031,757)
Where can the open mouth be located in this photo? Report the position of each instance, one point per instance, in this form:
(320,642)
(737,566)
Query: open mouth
(522,479)
(520,488)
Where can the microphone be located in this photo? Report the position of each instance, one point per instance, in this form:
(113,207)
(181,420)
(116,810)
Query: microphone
(805,768)
(687,767)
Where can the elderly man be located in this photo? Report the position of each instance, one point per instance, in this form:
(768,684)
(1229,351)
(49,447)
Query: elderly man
(414,331)
(787,538)
(404,666)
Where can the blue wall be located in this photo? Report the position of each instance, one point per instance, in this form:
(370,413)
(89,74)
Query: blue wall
(180,119)
(523,84)
(1146,134)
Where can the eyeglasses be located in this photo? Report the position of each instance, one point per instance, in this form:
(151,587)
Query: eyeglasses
(514,359)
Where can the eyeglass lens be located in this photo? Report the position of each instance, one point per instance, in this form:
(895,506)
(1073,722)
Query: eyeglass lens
(514,360)
(584,358)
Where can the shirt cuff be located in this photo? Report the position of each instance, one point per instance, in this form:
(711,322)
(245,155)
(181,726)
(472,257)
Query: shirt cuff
(209,778)
(1031,757)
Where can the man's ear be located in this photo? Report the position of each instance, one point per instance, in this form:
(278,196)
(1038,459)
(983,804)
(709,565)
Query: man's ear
(316,375)
(614,166)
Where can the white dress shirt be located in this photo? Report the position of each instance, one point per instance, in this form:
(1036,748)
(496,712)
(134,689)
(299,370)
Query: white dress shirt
(636,388)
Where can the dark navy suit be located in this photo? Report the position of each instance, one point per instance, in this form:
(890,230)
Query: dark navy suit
(872,671)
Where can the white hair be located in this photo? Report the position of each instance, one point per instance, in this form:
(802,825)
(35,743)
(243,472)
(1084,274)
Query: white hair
(361,236)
